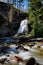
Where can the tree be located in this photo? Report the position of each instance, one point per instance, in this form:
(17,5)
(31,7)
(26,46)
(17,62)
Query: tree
(36,17)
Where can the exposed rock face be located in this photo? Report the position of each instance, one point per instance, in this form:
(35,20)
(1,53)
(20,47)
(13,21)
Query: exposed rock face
(4,30)
(10,19)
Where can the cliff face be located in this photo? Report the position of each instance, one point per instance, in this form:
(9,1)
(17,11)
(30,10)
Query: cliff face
(10,19)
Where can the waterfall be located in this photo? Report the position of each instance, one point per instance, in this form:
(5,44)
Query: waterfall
(23,27)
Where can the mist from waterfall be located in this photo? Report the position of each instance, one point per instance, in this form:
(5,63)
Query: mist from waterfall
(23,27)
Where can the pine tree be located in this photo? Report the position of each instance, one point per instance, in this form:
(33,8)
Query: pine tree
(36,17)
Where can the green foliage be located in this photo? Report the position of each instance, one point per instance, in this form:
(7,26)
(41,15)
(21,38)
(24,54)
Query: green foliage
(36,17)
(31,18)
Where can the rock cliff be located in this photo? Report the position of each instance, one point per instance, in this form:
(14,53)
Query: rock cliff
(10,19)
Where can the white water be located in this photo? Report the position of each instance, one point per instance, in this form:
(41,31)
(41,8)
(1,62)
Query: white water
(23,27)
(37,53)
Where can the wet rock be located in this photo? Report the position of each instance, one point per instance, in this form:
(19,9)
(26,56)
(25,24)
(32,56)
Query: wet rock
(21,49)
(2,61)
(18,58)
(31,61)
(30,45)
(37,64)
(37,46)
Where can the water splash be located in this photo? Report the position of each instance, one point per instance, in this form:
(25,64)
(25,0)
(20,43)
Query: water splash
(23,27)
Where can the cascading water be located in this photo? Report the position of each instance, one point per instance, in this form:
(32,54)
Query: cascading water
(23,27)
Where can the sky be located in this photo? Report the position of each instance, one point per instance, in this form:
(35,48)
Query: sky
(24,3)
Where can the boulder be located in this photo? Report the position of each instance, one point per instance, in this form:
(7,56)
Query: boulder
(31,61)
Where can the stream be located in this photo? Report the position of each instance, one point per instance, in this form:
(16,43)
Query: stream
(19,46)
(37,53)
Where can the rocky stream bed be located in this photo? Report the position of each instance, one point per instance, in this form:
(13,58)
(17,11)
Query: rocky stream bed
(21,53)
